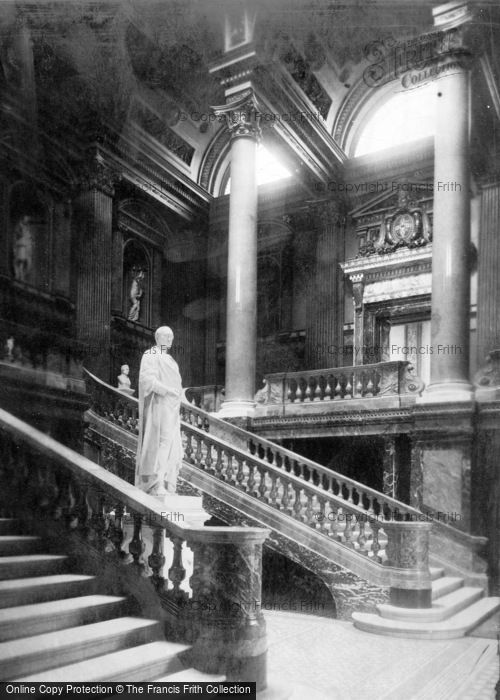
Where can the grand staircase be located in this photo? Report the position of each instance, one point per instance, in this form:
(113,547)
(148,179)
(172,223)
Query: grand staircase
(352,533)
(56,626)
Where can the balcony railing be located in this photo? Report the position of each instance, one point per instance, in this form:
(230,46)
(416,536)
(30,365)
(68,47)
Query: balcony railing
(380,380)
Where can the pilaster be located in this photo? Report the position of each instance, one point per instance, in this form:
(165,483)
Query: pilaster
(93,218)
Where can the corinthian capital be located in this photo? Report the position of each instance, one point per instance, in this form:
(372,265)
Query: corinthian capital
(242,116)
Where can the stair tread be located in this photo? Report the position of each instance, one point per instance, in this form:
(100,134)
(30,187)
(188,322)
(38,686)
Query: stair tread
(55,607)
(17,583)
(445,584)
(70,637)
(102,668)
(462,619)
(442,607)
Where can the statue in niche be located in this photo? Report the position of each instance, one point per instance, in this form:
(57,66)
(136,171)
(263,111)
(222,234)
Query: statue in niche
(124,381)
(23,249)
(136,294)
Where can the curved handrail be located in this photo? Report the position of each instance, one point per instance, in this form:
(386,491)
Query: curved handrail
(281,454)
(356,525)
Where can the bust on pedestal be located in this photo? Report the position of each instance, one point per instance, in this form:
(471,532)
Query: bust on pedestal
(124,381)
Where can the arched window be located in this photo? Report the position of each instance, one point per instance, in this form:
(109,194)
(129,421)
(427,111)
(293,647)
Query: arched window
(407,116)
(136,283)
(269,169)
(29,236)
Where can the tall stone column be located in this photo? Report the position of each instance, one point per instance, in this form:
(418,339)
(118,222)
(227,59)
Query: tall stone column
(324,336)
(451,242)
(241,322)
(94,214)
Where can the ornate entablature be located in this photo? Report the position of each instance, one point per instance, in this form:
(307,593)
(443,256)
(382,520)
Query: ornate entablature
(394,247)
(406,224)
(148,120)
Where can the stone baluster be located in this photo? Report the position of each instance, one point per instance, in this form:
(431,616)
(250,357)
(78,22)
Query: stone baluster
(137,546)
(177,572)
(156,559)
(116,531)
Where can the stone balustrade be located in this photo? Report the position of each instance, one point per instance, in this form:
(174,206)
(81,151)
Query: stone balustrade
(363,520)
(50,483)
(383,379)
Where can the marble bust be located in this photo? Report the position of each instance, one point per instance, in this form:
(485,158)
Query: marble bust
(124,381)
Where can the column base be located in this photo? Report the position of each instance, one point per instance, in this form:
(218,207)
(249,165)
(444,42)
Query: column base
(236,409)
(447,392)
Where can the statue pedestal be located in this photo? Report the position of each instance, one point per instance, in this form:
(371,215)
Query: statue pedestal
(127,391)
(184,509)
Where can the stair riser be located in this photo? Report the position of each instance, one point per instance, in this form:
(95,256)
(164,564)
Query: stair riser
(42,594)
(8,549)
(72,618)
(46,659)
(449,588)
(29,569)
(9,527)
(147,670)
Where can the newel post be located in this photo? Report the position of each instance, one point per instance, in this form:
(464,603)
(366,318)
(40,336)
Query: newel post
(226,603)
(407,552)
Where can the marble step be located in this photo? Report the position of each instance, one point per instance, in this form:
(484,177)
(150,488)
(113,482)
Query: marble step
(43,651)
(190,675)
(443,607)
(21,565)
(139,663)
(9,526)
(446,584)
(436,572)
(30,620)
(19,544)
(457,625)
(39,589)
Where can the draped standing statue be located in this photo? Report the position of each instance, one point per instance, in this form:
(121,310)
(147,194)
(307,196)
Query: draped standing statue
(159,448)
(136,293)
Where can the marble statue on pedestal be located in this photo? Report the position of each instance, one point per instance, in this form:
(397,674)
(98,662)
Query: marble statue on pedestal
(124,381)
(159,447)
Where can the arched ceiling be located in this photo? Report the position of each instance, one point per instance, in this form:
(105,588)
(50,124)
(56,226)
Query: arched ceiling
(74,70)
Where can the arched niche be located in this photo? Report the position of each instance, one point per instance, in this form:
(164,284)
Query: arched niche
(136,282)
(29,228)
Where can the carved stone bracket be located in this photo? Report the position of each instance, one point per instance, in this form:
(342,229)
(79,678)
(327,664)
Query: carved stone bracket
(487,378)
(357,290)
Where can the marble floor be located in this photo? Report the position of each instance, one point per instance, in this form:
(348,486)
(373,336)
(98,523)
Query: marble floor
(317,658)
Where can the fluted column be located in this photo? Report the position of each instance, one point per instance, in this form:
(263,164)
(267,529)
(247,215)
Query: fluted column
(94,213)
(241,320)
(488,302)
(324,335)
(451,243)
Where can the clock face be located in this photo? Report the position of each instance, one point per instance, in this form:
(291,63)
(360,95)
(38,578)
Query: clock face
(403,227)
